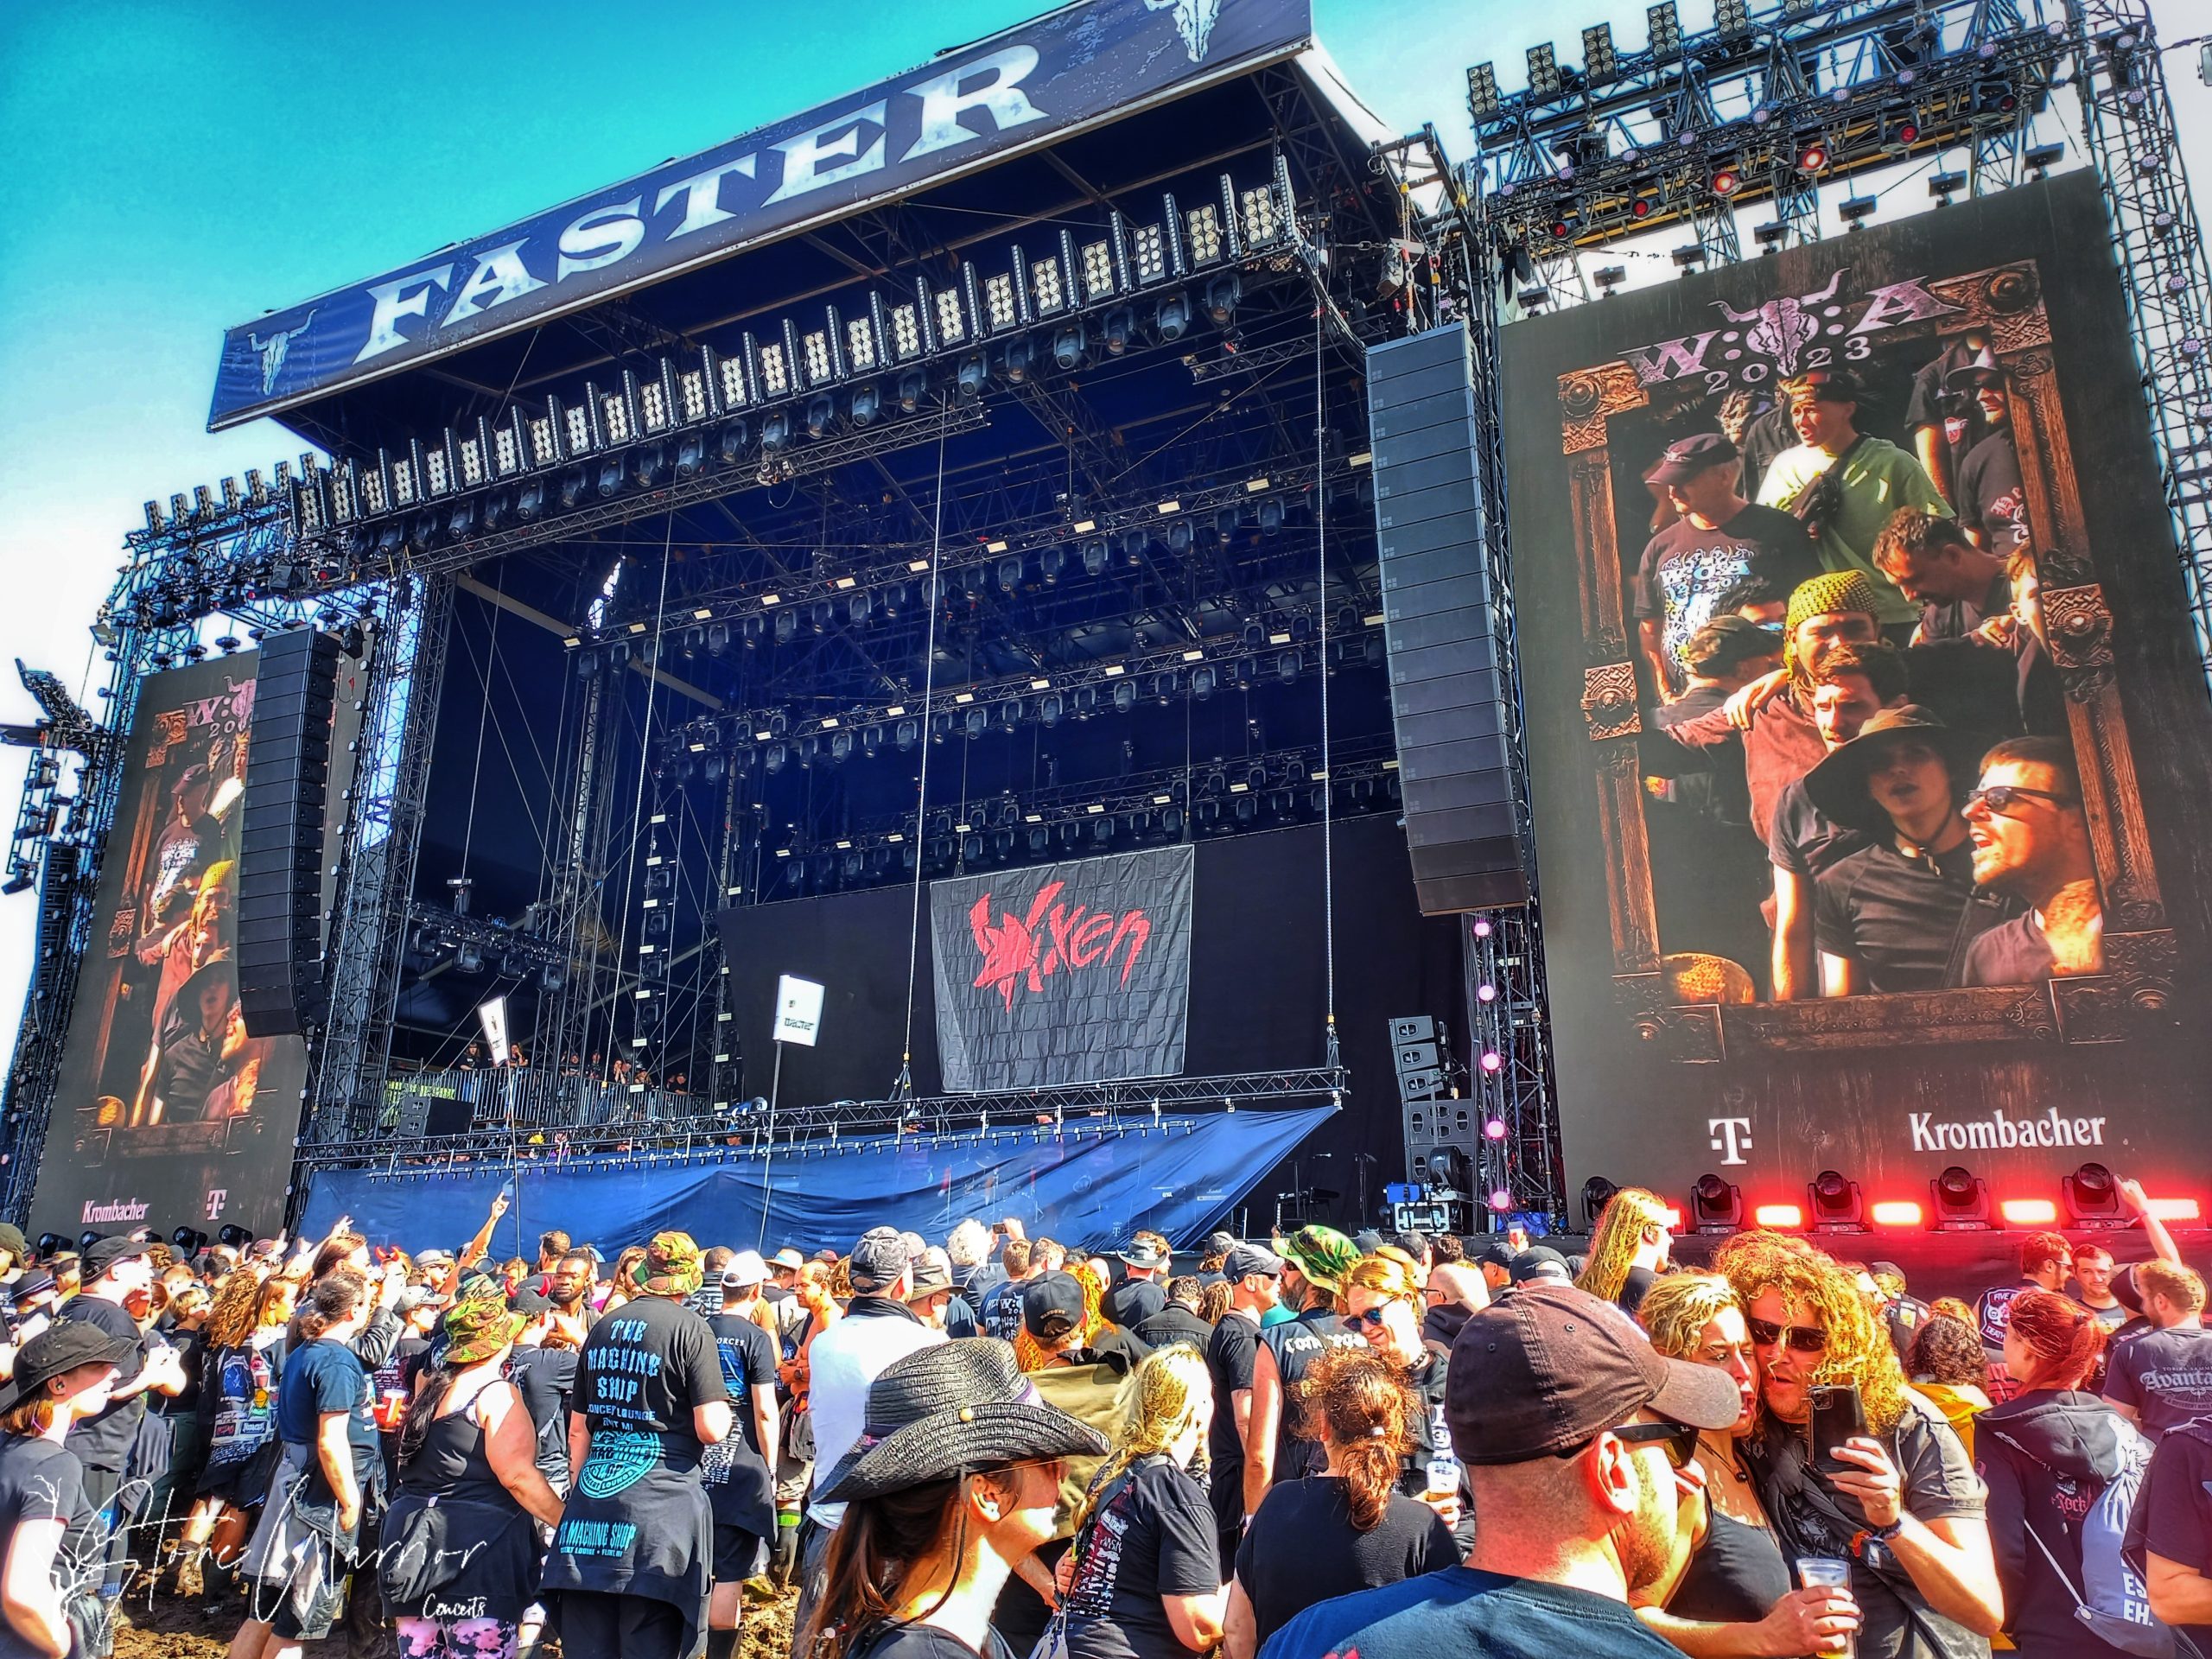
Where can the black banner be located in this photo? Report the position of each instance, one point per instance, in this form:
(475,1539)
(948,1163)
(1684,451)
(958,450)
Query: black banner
(1065,972)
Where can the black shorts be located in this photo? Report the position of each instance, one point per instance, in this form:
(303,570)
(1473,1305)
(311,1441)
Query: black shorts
(737,1553)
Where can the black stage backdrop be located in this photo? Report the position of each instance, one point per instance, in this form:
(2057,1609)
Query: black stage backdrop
(1668,1037)
(1257,997)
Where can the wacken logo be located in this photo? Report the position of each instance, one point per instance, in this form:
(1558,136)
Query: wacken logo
(274,350)
(1787,336)
(1051,937)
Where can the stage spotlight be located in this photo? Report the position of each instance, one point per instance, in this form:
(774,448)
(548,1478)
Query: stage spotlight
(1770,235)
(1010,574)
(1533,299)
(821,414)
(1837,1207)
(772,758)
(730,446)
(1172,320)
(1482,91)
(1596,1193)
(868,403)
(1995,98)
(2042,158)
(1270,517)
(913,386)
(1813,156)
(907,735)
(1017,360)
(1121,328)
(1726,179)
(1125,697)
(1202,681)
(974,374)
(1716,1205)
(1944,186)
(2092,1197)
(1610,277)
(857,608)
(1687,258)
(1094,558)
(776,431)
(1962,1201)
(1068,348)
(1855,211)
(1222,294)
(1664,24)
(1731,17)
(1287,667)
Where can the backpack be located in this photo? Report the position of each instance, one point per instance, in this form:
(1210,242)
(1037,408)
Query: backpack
(2113,1601)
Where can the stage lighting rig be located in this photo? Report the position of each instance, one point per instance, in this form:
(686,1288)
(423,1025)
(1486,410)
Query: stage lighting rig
(1856,210)
(1664,24)
(1543,72)
(1481,104)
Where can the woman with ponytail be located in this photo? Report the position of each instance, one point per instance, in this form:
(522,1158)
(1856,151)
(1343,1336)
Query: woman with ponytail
(1629,1249)
(2045,1454)
(1348,1528)
(1146,1580)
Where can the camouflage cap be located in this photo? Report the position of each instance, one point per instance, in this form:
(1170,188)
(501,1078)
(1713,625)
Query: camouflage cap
(1322,1253)
(671,1268)
(478,1326)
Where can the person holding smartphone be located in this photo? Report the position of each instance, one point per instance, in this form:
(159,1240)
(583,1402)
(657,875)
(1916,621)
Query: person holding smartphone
(1900,1501)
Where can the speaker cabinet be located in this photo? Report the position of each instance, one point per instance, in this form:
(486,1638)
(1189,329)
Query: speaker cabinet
(281,825)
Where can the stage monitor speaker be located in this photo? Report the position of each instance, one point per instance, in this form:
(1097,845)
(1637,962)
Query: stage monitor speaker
(281,840)
(1451,674)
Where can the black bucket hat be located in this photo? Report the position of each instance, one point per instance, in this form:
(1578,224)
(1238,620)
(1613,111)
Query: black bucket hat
(59,1349)
(948,1409)
(1838,784)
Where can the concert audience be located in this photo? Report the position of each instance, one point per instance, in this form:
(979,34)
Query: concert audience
(63,1377)
(1629,1249)
(1349,1527)
(1948,1365)
(2161,1377)
(1254,1278)
(1381,1305)
(1315,1261)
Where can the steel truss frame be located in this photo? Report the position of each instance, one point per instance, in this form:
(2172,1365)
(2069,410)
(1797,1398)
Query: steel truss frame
(2128,129)
(382,835)
(746,1128)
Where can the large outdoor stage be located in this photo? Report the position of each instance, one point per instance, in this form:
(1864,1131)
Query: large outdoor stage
(1088,633)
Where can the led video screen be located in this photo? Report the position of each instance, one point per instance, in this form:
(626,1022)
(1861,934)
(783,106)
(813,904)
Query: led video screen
(1867,739)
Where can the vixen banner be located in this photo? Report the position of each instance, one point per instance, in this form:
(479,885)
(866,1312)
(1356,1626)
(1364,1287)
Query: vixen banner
(1063,973)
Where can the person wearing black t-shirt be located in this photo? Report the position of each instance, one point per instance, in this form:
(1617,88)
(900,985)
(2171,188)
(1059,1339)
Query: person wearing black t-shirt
(117,1276)
(544,1375)
(1957,585)
(1719,539)
(1992,505)
(2169,1537)
(1140,1295)
(1945,421)
(740,1489)
(632,1560)
(62,1377)
(1147,1582)
(1886,918)
(1348,1528)
(1314,1259)
(1253,1276)
(1382,1302)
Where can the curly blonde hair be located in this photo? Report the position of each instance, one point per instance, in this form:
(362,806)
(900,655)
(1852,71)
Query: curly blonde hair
(1620,1230)
(1676,1310)
(1858,1351)
(1165,1393)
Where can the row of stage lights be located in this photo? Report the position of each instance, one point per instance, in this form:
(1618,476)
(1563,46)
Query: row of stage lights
(804,377)
(1593,190)
(1005,833)
(1280,651)
(1958,1201)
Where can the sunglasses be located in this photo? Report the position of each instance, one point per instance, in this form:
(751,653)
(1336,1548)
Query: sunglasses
(1371,1319)
(1999,797)
(1679,1439)
(1802,1338)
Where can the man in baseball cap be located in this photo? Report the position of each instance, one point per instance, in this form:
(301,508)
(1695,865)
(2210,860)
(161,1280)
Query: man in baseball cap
(1572,1428)
(1315,1261)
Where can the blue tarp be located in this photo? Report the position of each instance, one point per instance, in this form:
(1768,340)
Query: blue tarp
(1088,1184)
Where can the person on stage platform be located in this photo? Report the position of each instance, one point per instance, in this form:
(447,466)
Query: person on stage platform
(632,1558)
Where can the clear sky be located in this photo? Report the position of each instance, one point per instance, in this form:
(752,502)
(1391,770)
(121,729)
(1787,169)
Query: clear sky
(174,168)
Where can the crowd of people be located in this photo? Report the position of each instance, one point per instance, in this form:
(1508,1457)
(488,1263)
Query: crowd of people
(1394,1445)
(1859,773)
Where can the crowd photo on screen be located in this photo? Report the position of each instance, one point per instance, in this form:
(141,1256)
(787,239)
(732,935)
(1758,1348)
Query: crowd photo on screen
(1394,1444)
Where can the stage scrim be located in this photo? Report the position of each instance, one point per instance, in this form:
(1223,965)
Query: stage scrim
(168,1113)
(1949,1033)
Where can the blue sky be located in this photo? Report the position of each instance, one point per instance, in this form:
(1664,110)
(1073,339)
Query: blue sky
(175,168)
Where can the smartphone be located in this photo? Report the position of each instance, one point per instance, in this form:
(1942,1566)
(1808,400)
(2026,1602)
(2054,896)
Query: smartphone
(1838,1415)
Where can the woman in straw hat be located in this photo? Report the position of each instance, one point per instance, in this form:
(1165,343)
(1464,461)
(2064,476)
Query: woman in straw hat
(952,1485)
(61,1376)
(459,1566)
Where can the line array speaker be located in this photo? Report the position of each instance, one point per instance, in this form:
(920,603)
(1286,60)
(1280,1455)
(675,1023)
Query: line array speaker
(1450,672)
(280,846)
(1440,1131)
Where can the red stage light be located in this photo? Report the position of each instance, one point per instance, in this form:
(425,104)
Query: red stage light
(1909,133)
(1639,208)
(2174,1209)
(1813,158)
(2029,1212)
(1779,1215)
(1725,182)
(1896,1212)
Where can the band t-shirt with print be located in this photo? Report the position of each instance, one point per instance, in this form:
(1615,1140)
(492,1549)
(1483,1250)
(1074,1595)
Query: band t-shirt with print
(1153,1537)
(1685,570)
(734,1468)
(2165,1375)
